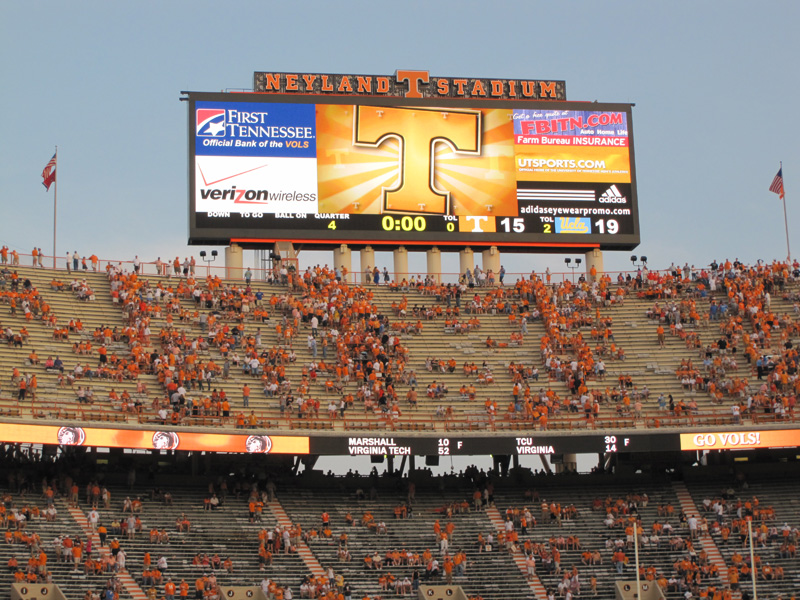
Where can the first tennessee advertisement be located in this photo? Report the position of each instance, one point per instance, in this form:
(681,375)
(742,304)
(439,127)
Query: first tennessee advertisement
(252,158)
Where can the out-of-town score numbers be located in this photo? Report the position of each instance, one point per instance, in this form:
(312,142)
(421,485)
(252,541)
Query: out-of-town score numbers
(501,444)
(410,171)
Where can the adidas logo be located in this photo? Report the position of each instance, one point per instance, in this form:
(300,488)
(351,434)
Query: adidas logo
(612,196)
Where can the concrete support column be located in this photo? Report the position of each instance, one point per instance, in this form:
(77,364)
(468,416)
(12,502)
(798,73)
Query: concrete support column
(367,260)
(343,260)
(570,464)
(545,464)
(491,262)
(400,264)
(466,260)
(434,256)
(234,258)
(594,258)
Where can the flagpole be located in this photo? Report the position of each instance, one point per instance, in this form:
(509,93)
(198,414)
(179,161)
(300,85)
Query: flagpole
(55,211)
(785,219)
(752,557)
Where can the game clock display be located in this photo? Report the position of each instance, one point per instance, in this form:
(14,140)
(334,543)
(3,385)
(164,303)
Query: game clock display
(514,174)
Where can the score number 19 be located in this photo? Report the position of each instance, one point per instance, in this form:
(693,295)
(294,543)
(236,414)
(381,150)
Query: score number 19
(611,226)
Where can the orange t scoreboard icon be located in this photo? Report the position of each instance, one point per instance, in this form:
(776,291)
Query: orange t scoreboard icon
(417,131)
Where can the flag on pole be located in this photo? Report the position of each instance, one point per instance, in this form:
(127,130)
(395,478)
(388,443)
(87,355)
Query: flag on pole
(777,184)
(49,173)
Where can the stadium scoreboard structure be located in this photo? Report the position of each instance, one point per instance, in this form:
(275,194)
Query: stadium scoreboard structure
(410,160)
(392,443)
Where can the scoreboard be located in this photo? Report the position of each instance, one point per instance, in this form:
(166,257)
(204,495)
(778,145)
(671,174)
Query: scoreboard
(328,170)
(390,443)
(521,445)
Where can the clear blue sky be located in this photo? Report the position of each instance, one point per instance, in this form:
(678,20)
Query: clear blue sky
(715,86)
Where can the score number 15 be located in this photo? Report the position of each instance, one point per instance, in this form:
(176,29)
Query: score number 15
(517,225)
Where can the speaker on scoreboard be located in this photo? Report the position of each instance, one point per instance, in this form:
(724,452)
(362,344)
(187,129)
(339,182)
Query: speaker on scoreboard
(376,458)
(432,461)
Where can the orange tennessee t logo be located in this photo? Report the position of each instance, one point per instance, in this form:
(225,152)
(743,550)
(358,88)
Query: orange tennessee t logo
(414,78)
(417,130)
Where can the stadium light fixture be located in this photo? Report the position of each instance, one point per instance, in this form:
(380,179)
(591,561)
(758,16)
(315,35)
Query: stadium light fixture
(642,261)
(208,261)
(573,266)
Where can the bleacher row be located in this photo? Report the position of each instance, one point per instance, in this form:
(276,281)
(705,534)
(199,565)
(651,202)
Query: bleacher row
(686,381)
(576,530)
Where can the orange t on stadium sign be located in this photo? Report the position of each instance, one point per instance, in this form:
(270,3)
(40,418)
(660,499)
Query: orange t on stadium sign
(408,84)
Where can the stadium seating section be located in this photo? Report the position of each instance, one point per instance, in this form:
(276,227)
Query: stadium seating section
(661,350)
(372,533)
(469,356)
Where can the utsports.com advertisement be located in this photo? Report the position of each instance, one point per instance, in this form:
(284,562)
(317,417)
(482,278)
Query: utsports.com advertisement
(256,158)
(570,145)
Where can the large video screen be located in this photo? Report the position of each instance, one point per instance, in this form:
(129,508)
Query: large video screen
(266,168)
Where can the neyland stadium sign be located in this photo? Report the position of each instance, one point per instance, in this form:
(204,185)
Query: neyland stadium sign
(408,84)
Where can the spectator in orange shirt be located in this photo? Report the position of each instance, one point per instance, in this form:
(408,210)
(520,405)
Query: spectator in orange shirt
(169,590)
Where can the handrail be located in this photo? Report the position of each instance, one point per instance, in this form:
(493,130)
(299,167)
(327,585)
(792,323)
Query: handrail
(479,422)
(148,268)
